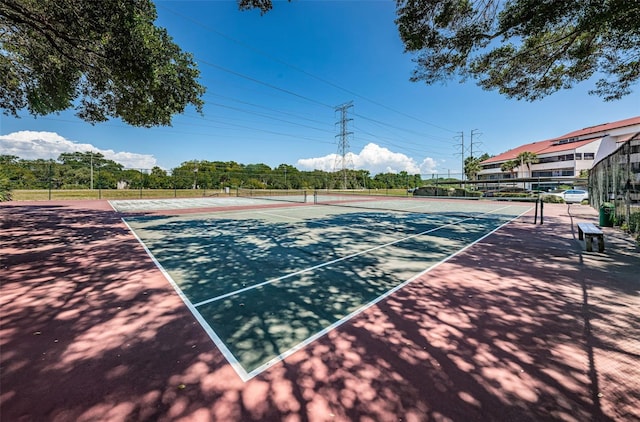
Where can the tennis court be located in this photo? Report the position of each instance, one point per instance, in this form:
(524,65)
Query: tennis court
(265,282)
(521,324)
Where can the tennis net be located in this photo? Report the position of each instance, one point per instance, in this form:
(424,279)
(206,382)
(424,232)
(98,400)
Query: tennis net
(284,195)
(465,208)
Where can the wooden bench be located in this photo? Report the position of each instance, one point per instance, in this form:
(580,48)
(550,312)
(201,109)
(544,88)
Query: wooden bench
(588,231)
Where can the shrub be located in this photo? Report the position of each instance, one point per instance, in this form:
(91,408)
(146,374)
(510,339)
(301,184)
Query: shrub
(512,195)
(5,189)
(634,222)
(431,191)
(552,199)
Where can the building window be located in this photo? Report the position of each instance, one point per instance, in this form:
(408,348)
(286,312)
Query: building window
(567,157)
(578,156)
(491,166)
(589,155)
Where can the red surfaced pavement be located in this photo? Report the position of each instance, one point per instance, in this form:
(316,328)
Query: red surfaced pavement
(523,326)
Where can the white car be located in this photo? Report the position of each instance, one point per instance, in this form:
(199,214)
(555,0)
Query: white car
(571,195)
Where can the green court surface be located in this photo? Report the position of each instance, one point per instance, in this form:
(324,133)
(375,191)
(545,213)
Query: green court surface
(264,283)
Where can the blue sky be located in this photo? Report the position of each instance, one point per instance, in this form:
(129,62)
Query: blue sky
(273,83)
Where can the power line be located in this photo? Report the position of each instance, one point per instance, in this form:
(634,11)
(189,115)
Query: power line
(391,126)
(278,60)
(386,141)
(302,97)
(269,117)
(258,130)
(297,116)
(258,81)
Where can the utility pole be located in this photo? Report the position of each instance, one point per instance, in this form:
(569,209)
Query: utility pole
(461,153)
(474,132)
(343,143)
(91,152)
(473,143)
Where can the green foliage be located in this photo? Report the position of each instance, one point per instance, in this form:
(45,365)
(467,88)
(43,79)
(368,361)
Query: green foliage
(263,5)
(5,188)
(510,166)
(526,49)
(527,158)
(552,199)
(104,58)
(446,191)
(634,222)
(81,170)
(512,195)
(472,165)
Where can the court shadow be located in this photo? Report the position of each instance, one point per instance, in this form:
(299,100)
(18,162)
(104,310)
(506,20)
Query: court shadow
(90,328)
(518,327)
(266,287)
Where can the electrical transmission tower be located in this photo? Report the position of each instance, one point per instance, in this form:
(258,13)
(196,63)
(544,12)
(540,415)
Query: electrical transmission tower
(474,143)
(343,162)
(461,153)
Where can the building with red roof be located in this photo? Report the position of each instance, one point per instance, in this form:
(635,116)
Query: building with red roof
(562,159)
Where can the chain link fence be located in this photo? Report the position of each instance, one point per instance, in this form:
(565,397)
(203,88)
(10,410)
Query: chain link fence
(89,177)
(615,181)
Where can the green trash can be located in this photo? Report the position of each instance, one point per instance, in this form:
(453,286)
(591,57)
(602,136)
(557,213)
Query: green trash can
(607,214)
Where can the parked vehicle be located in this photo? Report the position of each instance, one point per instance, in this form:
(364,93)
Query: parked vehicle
(570,195)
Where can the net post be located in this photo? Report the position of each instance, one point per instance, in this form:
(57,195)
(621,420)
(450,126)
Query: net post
(541,212)
(535,215)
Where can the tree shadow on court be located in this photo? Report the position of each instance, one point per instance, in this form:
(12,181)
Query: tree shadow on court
(267,287)
(505,333)
(486,339)
(92,331)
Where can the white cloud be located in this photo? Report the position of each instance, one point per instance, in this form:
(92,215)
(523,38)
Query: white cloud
(374,158)
(30,145)
(429,166)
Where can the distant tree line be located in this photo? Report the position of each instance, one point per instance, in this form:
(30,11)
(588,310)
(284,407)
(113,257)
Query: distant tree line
(86,170)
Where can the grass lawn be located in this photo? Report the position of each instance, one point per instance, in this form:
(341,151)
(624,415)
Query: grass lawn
(45,194)
(66,194)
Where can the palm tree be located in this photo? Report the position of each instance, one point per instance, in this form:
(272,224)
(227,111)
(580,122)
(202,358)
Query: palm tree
(510,166)
(527,158)
(472,167)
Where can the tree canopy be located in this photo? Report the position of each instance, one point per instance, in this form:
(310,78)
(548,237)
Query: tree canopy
(472,165)
(84,170)
(526,49)
(103,58)
(527,158)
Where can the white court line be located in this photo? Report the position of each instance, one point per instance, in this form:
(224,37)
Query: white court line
(368,305)
(235,364)
(333,261)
